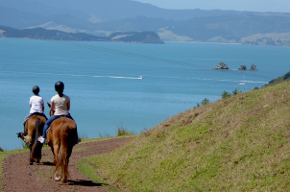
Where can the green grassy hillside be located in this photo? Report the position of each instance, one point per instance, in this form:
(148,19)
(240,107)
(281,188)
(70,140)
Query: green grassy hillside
(285,77)
(241,143)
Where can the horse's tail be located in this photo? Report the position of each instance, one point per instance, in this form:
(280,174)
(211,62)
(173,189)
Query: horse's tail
(38,127)
(35,145)
(62,163)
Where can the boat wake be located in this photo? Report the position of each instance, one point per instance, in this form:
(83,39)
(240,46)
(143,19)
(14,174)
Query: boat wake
(243,82)
(132,77)
(234,81)
(75,75)
(118,77)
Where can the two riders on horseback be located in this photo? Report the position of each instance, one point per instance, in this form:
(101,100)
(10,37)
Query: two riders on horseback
(60,106)
(61,136)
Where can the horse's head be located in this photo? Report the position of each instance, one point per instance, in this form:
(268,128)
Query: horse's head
(51,112)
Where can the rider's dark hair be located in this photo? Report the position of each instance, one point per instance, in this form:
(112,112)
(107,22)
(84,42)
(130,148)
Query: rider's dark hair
(35,89)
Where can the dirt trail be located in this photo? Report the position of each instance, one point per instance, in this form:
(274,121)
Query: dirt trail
(20,176)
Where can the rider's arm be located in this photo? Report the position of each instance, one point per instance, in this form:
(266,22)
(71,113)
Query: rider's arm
(68,105)
(52,107)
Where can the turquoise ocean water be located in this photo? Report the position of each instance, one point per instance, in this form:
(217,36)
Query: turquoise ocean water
(104,84)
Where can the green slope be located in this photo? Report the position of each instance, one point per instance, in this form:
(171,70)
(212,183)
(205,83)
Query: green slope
(236,144)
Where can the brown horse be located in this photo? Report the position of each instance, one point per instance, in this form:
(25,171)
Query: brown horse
(61,137)
(32,130)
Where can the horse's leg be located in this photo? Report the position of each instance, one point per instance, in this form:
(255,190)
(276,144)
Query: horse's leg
(36,146)
(50,141)
(31,160)
(56,152)
(29,132)
(64,156)
(52,151)
(57,172)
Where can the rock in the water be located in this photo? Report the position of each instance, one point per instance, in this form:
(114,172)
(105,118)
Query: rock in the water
(253,68)
(243,68)
(222,66)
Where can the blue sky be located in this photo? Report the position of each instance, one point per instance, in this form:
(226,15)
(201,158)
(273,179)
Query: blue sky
(239,5)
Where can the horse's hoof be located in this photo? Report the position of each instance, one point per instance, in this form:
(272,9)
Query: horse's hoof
(31,162)
(56,178)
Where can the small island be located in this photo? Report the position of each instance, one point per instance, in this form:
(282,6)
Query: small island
(222,66)
(244,68)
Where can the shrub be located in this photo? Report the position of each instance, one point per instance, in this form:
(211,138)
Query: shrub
(205,101)
(256,88)
(225,95)
(122,132)
(235,92)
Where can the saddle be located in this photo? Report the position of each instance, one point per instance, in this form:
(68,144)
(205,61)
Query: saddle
(68,116)
(41,114)
(35,113)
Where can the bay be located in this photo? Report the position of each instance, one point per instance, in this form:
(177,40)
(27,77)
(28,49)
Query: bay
(104,84)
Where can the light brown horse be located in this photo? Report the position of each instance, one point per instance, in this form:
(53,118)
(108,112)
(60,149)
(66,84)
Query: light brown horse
(61,137)
(32,130)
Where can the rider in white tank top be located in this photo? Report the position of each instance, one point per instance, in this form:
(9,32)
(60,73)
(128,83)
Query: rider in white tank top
(60,104)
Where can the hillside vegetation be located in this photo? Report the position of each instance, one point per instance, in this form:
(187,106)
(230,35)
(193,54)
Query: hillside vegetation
(43,34)
(278,80)
(236,144)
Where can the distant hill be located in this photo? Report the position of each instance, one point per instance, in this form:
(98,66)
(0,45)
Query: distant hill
(41,33)
(240,143)
(104,17)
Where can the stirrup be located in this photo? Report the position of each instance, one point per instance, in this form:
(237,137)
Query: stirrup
(41,139)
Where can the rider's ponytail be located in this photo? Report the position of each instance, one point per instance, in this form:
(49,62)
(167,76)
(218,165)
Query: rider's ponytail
(59,87)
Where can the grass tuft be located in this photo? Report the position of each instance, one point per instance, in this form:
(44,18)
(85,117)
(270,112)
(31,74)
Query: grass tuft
(121,131)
